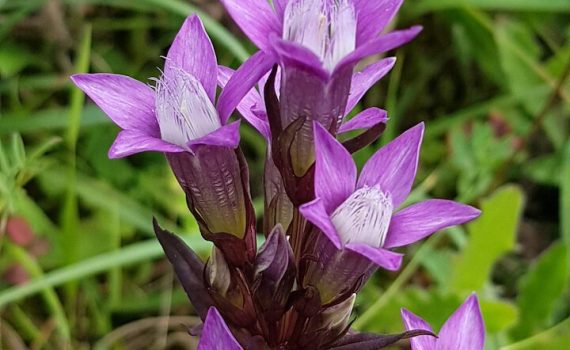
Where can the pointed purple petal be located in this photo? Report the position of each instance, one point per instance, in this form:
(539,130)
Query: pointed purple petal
(394,166)
(364,80)
(241,82)
(192,51)
(335,171)
(384,258)
(465,329)
(256,19)
(291,54)
(379,45)
(250,102)
(316,213)
(226,136)
(364,120)
(216,335)
(128,102)
(129,142)
(373,16)
(422,219)
(412,322)
(280,6)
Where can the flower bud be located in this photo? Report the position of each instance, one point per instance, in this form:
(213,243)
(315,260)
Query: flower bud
(218,272)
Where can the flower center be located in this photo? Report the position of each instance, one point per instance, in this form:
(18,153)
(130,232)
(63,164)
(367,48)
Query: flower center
(364,217)
(328,28)
(183,108)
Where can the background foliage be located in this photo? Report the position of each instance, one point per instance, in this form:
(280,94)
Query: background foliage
(81,269)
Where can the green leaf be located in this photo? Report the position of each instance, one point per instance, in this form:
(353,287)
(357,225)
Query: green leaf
(14,59)
(545,169)
(498,315)
(50,119)
(514,38)
(556,338)
(132,254)
(511,5)
(539,291)
(565,198)
(491,236)
(215,29)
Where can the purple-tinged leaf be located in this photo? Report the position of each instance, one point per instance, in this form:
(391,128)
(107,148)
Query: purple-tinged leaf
(188,267)
(365,139)
(367,341)
(274,275)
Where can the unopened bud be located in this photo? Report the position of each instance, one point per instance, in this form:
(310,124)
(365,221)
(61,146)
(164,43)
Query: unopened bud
(219,276)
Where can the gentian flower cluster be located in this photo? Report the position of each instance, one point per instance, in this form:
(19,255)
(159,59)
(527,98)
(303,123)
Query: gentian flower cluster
(326,228)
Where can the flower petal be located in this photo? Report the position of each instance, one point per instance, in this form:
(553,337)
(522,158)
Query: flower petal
(364,80)
(335,171)
(291,54)
(226,136)
(128,102)
(216,335)
(364,120)
(241,83)
(382,44)
(394,166)
(422,219)
(316,213)
(280,6)
(250,102)
(129,142)
(384,258)
(256,19)
(373,16)
(465,329)
(192,51)
(411,322)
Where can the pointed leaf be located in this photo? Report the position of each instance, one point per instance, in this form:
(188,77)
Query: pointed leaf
(188,267)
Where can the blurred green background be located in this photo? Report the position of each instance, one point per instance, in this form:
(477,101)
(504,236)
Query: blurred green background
(80,268)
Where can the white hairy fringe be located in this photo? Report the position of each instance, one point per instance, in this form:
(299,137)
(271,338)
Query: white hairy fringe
(183,108)
(364,217)
(328,28)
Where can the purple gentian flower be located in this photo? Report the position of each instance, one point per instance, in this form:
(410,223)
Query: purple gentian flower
(317,44)
(178,113)
(360,217)
(252,106)
(179,118)
(216,335)
(464,330)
